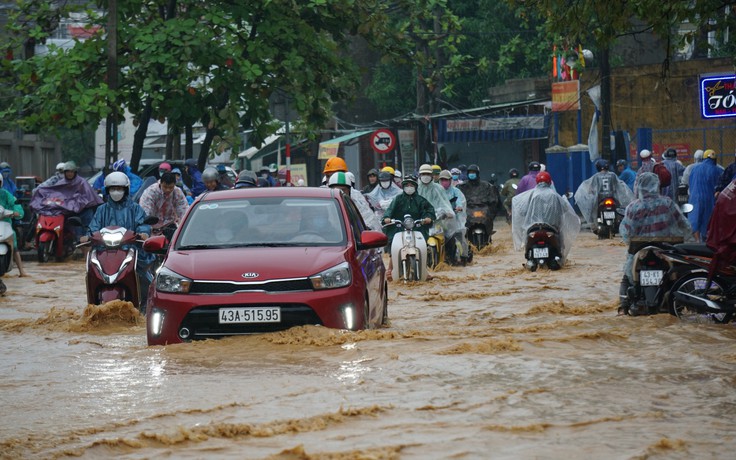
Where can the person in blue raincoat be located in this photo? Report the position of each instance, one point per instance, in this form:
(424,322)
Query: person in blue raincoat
(703,181)
(120,166)
(198,186)
(121,211)
(625,173)
(8,183)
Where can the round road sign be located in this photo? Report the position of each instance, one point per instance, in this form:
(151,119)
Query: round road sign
(383,141)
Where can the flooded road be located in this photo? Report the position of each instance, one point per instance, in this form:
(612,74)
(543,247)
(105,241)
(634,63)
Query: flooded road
(487,361)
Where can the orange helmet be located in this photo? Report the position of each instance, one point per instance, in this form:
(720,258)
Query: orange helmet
(335,164)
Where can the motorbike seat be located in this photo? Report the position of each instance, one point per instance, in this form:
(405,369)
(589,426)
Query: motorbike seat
(698,249)
(665,242)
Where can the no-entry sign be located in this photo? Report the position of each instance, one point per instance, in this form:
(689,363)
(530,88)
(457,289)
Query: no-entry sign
(383,141)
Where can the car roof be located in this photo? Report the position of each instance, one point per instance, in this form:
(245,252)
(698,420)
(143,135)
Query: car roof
(279,192)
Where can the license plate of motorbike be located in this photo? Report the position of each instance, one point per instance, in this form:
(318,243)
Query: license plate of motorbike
(609,215)
(540,253)
(237,315)
(650,277)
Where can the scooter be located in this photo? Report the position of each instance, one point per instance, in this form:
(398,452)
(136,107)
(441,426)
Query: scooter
(609,217)
(647,294)
(543,247)
(111,267)
(480,226)
(55,236)
(6,244)
(409,250)
(435,246)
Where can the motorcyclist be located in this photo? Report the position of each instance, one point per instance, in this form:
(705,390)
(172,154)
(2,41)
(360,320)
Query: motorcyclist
(411,203)
(697,158)
(625,173)
(246,179)
(383,195)
(544,205)
(529,180)
(676,170)
(603,184)
(273,174)
(337,164)
(478,194)
(650,215)
(459,205)
(703,182)
(121,211)
(7,173)
(8,201)
(165,200)
(224,178)
(455,172)
(508,192)
(647,162)
(435,194)
(58,175)
(196,176)
(372,177)
(211,179)
(121,166)
(436,170)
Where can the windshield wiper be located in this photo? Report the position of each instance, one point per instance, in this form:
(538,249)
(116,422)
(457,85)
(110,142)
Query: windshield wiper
(267,245)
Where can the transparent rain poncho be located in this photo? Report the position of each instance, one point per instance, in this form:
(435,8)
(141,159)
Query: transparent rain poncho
(543,204)
(380,198)
(435,194)
(601,185)
(369,217)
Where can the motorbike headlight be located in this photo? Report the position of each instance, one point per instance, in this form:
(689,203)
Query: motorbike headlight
(409,223)
(169,281)
(332,278)
(112,238)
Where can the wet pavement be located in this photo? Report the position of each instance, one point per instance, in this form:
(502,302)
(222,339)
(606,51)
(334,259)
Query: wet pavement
(486,361)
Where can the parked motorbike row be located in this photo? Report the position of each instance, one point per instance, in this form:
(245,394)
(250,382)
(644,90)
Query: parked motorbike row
(681,279)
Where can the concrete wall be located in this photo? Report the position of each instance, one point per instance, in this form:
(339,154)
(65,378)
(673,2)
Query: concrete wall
(31,155)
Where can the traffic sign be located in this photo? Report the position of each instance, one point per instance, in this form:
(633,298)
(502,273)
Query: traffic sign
(383,141)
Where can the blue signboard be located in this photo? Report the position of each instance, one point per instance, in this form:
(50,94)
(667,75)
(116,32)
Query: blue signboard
(718,95)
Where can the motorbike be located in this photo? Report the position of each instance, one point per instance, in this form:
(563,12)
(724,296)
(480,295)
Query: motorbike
(435,246)
(700,291)
(409,250)
(648,292)
(479,225)
(6,243)
(55,236)
(609,217)
(111,267)
(542,247)
(683,194)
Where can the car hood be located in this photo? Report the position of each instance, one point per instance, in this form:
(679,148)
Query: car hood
(259,263)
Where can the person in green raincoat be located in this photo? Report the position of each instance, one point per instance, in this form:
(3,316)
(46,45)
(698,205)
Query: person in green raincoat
(410,203)
(7,201)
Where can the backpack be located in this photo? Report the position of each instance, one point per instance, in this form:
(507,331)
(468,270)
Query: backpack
(665,178)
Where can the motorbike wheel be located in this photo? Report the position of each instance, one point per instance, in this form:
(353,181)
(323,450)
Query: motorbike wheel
(478,240)
(433,257)
(4,263)
(384,315)
(410,273)
(45,248)
(695,284)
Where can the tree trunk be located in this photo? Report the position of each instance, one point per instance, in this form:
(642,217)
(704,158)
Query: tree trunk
(189,142)
(140,135)
(205,149)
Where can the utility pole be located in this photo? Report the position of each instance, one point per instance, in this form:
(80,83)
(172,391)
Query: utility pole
(111,141)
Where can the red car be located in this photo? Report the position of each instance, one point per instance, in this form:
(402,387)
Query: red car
(257,260)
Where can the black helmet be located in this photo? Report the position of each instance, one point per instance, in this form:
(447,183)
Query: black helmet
(670,153)
(474,168)
(535,166)
(384,176)
(372,172)
(410,180)
(601,165)
(621,163)
(513,172)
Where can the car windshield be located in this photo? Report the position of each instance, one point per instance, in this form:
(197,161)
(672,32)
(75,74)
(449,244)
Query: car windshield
(269,222)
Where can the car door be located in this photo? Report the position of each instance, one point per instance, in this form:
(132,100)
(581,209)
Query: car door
(369,260)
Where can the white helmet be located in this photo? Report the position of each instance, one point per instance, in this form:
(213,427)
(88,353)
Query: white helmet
(60,167)
(397,174)
(117,179)
(645,153)
(210,174)
(698,155)
(351,178)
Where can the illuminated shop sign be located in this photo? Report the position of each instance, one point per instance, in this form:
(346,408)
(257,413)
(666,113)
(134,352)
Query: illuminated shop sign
(717,96)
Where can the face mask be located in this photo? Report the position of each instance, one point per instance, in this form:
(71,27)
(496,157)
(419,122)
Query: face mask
(385,184)
(445,184)
(425,179)
(455,177)
(472,176)
(410,189)
(223,234)
(117,195)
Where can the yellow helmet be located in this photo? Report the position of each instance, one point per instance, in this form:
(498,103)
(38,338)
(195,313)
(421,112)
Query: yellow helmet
(436,169)
(710,153)
(388,169)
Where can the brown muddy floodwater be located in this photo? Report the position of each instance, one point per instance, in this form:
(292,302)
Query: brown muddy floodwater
(487,361)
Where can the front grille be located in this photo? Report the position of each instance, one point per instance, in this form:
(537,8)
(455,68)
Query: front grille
(225,287)
(203,322)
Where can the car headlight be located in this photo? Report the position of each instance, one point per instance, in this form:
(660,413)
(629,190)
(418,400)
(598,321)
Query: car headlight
(169,281)
(332,278)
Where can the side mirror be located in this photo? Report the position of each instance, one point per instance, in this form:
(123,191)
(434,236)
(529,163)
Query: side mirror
(371,239)
(156,244)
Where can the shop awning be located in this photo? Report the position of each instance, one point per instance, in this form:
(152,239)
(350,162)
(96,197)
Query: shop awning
(329,148)
(345,137)
(492,129)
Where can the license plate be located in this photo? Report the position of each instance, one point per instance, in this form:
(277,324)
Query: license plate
(540,253)
(650,277)
(609,215)
(236,315)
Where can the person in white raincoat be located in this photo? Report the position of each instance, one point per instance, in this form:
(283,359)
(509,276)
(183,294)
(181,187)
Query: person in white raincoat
(459,204)
(382,195)
(543,204)
(435,194)
(601,185)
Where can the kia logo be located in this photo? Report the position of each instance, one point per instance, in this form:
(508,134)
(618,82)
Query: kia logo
(250,275)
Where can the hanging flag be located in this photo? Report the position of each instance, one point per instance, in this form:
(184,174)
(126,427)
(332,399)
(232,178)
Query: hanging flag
(554,61)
